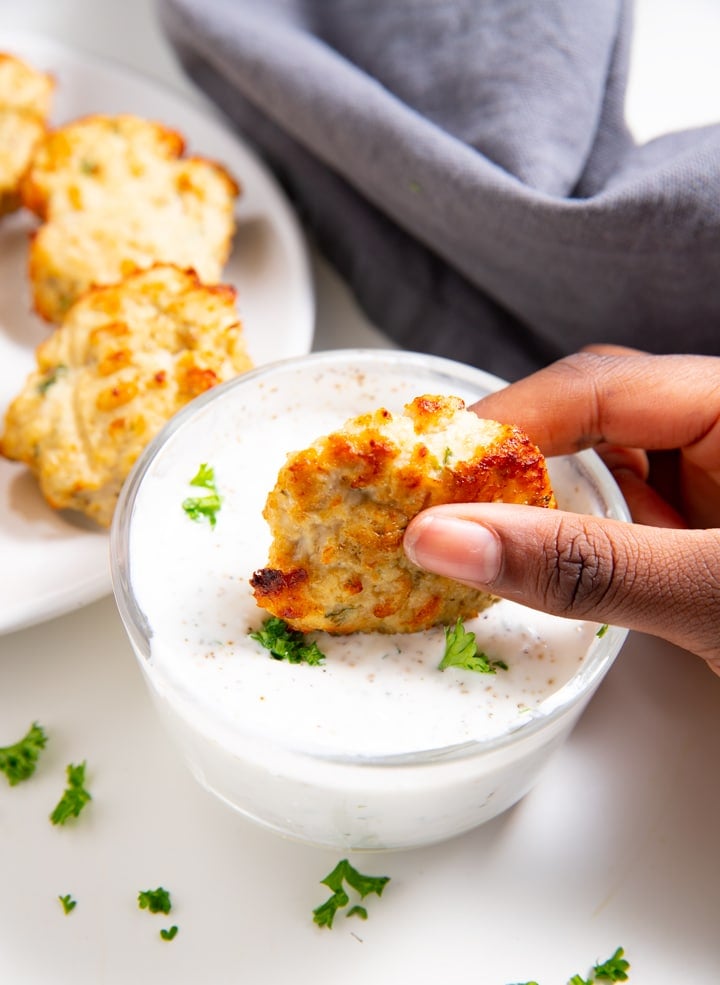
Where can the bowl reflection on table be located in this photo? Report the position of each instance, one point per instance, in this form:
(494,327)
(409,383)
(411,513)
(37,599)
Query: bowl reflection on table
(375,749)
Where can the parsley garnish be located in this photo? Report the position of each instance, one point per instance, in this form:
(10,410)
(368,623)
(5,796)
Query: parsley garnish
(75,796)
(155,900)
(68,903)
(204,507)
(324,914)
(614,969)
(461,651)
(51,377)
(603,629)
(170,933)
(288,644)
(18,761)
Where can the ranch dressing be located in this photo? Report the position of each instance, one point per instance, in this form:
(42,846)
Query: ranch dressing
(376,695)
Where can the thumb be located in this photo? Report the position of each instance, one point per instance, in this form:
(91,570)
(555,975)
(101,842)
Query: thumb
(657,580)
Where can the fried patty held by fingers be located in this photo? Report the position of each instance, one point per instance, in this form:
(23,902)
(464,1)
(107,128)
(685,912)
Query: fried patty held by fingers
(339,510)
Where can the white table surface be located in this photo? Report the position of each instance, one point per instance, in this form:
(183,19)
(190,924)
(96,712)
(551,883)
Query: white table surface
(618,844)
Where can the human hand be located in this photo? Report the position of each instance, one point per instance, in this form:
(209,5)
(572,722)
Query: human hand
(655,420)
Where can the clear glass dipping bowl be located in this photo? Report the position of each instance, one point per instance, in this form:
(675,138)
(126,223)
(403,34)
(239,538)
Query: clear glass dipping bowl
(183,594)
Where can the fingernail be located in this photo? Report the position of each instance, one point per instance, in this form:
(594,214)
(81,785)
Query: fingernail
(455,548)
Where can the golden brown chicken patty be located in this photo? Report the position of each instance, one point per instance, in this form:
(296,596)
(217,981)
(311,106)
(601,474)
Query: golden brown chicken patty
(86,162)
(25,97)
(340,508)
(79,250)
(116,197)
(126,358)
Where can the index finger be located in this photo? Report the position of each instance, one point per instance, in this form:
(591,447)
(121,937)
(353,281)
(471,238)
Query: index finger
(631,399)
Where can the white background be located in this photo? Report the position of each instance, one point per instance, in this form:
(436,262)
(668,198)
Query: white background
(617,845)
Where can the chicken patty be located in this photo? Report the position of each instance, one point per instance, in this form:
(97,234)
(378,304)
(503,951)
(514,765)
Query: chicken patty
(339,510)
(88,161)
(25,97)
(116,196)
(125,359)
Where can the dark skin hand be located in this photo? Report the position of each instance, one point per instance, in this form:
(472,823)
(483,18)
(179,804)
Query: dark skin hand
(655,420)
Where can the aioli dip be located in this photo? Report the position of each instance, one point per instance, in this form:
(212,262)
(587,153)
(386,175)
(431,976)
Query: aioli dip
(375,748)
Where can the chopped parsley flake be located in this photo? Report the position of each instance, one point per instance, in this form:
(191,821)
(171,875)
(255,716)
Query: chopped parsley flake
(288,644)
(19,760)
(204,507)
(50,378)
(613,970)
(461,650)
(170,933)
(68,903)
(344,872)
(155,900)
(75,796)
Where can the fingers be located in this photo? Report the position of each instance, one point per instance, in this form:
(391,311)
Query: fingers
(631,399)
(645,505)
(660,581)
(629,467)
(625,459)
(610,349)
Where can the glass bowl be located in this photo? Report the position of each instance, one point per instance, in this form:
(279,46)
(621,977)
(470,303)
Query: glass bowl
(376,748)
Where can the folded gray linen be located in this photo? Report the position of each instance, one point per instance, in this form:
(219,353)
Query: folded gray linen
(466,166)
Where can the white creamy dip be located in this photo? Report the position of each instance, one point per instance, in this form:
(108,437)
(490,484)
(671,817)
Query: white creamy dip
(376,696)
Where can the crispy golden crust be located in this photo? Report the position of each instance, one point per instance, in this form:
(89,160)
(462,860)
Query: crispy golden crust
(117,196)
(25,97)
(340,508)
(125,359)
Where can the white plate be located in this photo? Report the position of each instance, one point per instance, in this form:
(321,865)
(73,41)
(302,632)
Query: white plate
(53,562)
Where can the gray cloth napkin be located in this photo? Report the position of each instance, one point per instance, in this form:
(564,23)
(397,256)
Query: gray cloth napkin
(466,166)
